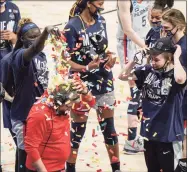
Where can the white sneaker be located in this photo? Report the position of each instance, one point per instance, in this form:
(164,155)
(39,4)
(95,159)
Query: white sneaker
(133,147)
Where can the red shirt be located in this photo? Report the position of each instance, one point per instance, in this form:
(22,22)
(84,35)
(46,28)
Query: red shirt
(52,137)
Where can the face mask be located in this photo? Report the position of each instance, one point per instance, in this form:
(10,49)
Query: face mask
(28,43)
(2,4)
(156,26)
(169,33)
(97,11)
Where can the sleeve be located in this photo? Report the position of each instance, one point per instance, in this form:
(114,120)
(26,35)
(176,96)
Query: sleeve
(141,73)
(147,41)
(36,128)
(70,35)
(71,38)
(18,61)
(183,59)
(4,74)
(18,17)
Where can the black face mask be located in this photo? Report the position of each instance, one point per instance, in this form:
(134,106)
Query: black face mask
(169,33)
(28,43)
(97,11)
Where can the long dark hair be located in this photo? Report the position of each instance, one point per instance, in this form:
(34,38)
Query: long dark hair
(21,24)
(78,7)
(164,3)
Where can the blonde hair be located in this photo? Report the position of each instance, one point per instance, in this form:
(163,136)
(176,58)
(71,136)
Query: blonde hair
(24,21)
(175,17)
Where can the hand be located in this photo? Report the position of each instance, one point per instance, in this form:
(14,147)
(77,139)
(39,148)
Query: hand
(163,34)
(178,52)
(140,55)
(94,64)
(7,35)
(53,30)
(80,87)
(111,60)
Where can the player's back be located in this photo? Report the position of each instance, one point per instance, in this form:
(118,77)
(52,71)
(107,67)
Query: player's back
(140,12)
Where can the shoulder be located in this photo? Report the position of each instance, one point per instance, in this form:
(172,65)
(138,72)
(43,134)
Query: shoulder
(39,112)
(18,52)
(13,6)
(7,58)
(73,22)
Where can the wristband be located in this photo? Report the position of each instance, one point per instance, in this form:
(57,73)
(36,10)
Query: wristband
(87,68)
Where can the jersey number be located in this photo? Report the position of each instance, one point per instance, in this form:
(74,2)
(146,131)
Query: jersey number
(143,21)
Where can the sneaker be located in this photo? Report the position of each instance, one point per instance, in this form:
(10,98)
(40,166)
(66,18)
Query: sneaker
(132,147)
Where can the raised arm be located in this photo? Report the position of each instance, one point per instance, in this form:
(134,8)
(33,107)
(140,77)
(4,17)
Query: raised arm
(125,18)
(38,45)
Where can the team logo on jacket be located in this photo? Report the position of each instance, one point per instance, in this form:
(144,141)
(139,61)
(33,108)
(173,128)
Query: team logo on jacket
(11,15)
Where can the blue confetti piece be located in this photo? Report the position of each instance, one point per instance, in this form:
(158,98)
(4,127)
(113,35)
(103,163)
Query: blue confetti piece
(103,124)
(97,128)
(21,166)
(80,58)
(108,89)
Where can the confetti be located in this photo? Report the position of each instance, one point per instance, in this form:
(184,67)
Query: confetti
(74,152)
(114,159)
(94,145)
(154,134)
(111,151)
(93,133)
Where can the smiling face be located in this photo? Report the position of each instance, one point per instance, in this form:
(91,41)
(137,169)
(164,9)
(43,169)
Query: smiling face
(156,15)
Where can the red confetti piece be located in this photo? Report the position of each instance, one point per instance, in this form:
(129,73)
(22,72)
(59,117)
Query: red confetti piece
(53,49)
(128,98)
(94,145)
(99,170)
(119,102)
(111,151)
(93,133)
(114,134)
(114,159)
(96,153)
